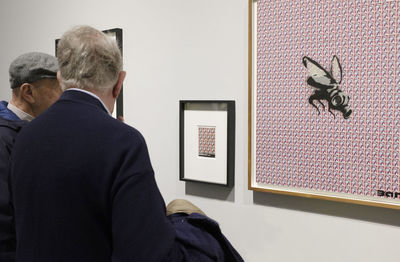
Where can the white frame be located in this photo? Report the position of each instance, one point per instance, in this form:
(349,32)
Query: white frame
(206,169)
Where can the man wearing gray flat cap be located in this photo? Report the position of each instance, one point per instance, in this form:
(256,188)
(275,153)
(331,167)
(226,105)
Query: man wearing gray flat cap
(34,85)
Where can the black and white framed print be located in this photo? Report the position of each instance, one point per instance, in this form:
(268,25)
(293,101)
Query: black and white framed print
(207,141)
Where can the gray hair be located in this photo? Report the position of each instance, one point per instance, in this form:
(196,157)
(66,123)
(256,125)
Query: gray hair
(88,59)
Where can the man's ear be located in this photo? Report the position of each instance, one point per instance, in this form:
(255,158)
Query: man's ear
(26,93)
(59,77)
(118,86)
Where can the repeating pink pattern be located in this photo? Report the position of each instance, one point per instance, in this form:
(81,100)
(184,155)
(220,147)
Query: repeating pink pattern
(207,141)
(295,146)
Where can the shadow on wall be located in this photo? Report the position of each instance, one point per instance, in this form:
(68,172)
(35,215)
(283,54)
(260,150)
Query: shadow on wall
(210,191)
(331,208)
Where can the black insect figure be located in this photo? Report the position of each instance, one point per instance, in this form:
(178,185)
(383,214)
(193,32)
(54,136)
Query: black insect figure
(327,86)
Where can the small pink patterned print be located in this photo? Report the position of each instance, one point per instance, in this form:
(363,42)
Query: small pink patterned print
(207,141)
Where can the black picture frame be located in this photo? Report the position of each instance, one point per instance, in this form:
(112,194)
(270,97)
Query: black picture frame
(209,106)
(117,32)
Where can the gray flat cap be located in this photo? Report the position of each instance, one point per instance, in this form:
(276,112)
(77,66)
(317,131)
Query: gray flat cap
(31,67)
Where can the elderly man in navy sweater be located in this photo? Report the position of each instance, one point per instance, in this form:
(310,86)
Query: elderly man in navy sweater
(82,182)
(34,85)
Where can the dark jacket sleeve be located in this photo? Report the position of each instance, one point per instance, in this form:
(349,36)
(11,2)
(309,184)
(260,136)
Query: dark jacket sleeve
(7,232)
(201,239)
(140,228)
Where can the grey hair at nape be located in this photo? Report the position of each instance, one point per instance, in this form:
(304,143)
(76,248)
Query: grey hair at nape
(88,59)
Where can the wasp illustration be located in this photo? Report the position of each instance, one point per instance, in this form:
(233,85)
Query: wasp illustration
(327,86)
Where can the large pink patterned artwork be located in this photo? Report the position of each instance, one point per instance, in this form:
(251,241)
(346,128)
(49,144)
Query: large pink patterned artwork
(326,106)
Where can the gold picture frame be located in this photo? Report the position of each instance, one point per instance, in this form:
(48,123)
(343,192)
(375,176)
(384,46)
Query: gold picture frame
(382,198)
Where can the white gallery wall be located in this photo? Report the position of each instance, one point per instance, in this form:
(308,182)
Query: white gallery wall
(193,50)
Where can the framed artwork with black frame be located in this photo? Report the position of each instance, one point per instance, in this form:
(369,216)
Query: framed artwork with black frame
(115,33)
(207,141)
